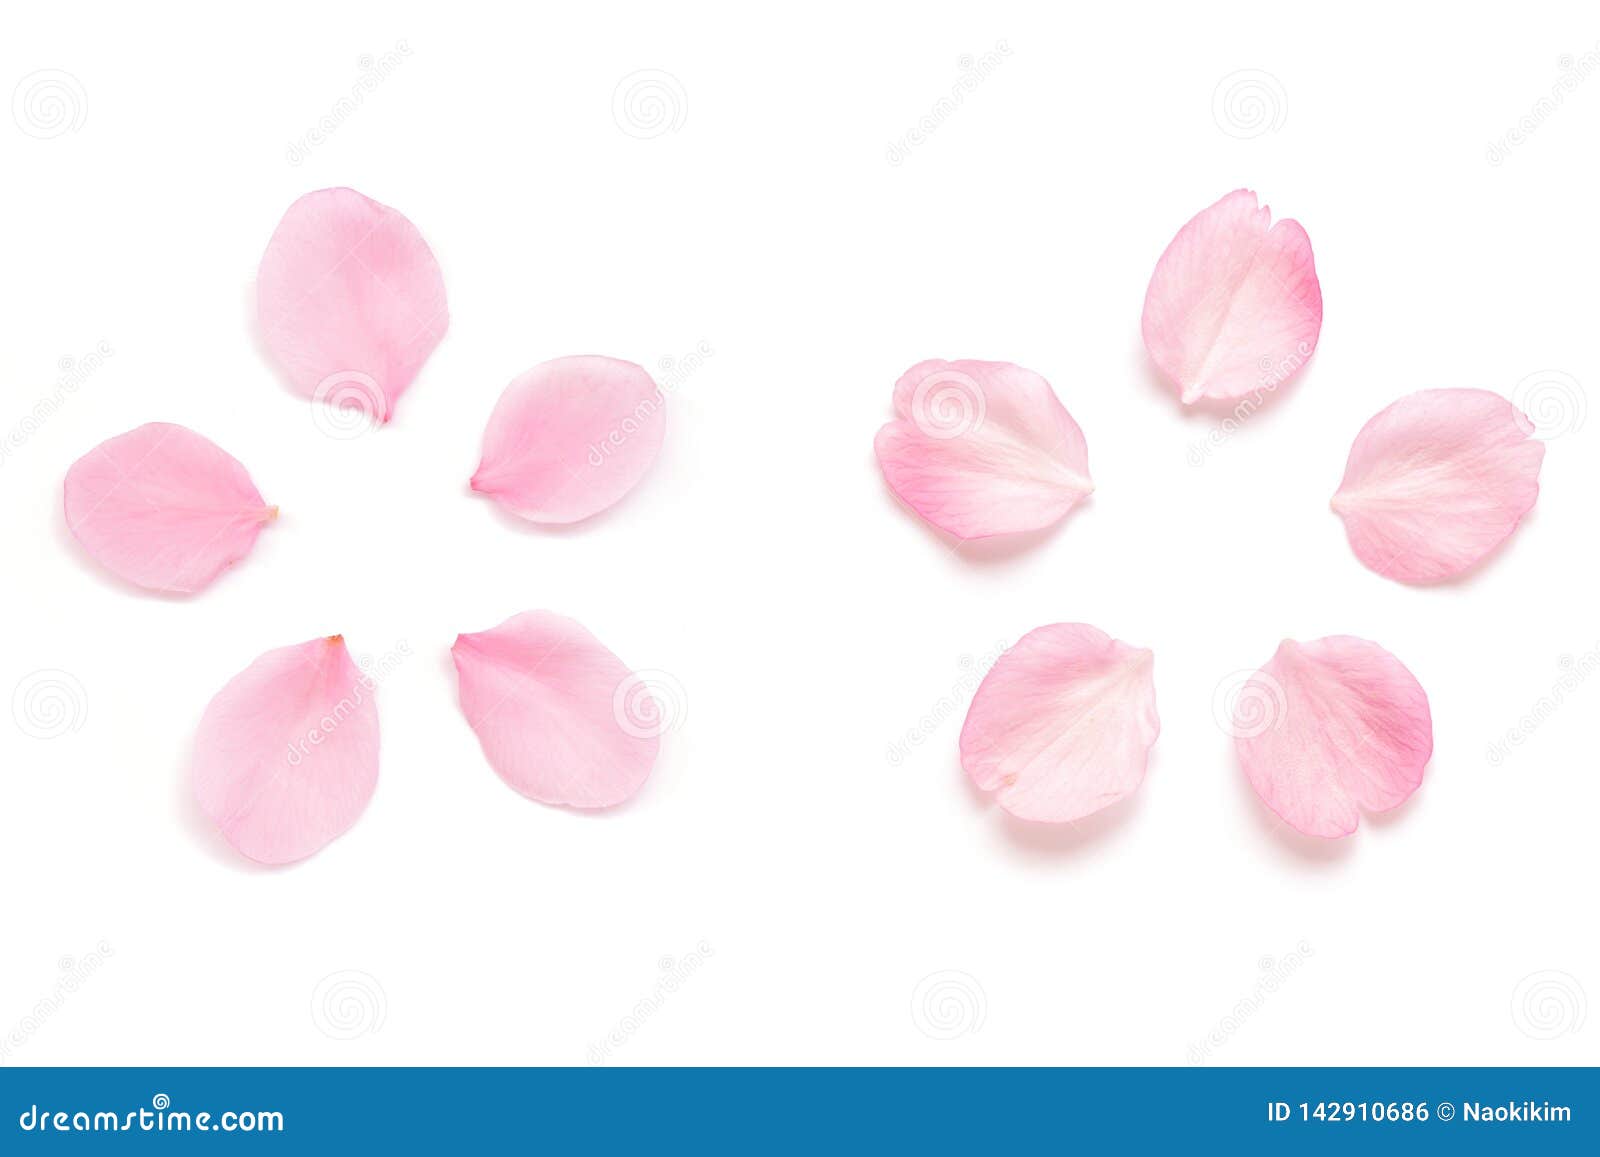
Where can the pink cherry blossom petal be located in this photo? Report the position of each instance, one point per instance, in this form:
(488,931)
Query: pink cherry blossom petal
(1062,725)
(351,301)
(555,711)
(1437,481)
(1331,727)
(982,448)
(570,437)
(164,508)
(287,755)
(1234,305)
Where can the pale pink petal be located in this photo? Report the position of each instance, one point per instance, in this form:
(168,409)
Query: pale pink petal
(287,755)
(1062,725)
(1330,727)
(1234,305)
(570,437)
(351,300)
(164,508)
(555,711)
(982,448)
(1437,481)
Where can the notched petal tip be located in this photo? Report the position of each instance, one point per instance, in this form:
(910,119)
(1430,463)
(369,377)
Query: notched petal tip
(1234,306)
(1330,728)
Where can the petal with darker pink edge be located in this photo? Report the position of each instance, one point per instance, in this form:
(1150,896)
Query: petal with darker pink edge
(1062,725)
(982,448)
(1234,306)
(1437,481)
(1330,728)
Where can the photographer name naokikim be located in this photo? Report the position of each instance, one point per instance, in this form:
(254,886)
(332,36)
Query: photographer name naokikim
(1521,1112)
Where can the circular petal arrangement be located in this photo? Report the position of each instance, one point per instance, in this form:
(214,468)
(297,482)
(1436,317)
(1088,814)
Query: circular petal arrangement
(1062,724)
(351,305)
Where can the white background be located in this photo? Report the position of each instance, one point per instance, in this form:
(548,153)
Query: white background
(810,620)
